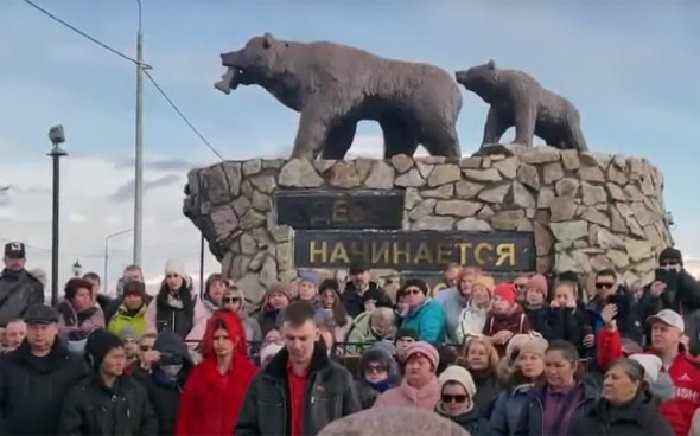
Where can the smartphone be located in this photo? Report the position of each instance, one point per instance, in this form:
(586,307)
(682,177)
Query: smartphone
(612,299)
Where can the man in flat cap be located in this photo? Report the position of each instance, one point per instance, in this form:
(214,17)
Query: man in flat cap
(18,288)
(36,377)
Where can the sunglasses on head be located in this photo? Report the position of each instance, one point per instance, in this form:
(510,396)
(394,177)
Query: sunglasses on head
(447,398)
(414,291)
(231,299)
(604,285)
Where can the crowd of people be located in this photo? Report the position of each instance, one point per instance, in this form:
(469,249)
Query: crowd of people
(535,356)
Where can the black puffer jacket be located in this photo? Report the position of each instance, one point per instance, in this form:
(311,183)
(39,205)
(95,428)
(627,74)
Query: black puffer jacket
(18,290)
(471,421)
(94,409)
(33,389)
(486,390)
(329,394)
(163,392)
(640,417)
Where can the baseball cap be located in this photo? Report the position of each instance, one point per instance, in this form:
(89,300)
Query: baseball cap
(669,317)
(15,250)
(40,314)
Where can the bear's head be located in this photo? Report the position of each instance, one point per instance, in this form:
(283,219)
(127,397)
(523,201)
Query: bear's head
(253,64)
(480,79)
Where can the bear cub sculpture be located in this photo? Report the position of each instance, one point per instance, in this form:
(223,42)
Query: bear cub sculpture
(335,86)
(517,99)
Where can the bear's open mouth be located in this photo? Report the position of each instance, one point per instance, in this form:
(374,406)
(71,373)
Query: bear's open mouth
(229,80)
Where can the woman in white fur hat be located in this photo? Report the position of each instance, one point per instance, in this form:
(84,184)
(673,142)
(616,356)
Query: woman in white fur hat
(177,308)
(457,390)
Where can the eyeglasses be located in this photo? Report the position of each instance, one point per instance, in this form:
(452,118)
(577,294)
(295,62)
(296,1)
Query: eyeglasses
(459,399)
(604,285)
(375,369)
(145,348)
(231,299)
(414,291)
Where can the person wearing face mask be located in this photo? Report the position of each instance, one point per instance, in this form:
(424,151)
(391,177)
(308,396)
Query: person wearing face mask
(626,407)
(673,288)
(378,325)
(457,391)
(166,379)
(379,373)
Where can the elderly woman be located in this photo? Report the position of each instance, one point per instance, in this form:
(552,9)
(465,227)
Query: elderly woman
(370,327)
(419,387)
(626,407)
(379,373)
(79,315)
(457,390)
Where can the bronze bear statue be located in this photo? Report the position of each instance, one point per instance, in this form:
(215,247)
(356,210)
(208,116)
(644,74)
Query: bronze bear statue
(335,86)
(517,99)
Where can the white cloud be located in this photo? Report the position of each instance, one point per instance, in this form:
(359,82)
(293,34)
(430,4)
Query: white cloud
(89,213)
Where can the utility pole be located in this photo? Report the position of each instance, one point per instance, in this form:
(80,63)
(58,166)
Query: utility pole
(57,137)
(138,152)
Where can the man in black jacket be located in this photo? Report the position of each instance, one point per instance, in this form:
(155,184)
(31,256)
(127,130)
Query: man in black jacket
(107,402)
(358,290)
(36,377)
(18,288)
(165,381)
(301,390)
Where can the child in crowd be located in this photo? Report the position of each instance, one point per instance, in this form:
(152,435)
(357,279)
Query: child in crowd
(506,318)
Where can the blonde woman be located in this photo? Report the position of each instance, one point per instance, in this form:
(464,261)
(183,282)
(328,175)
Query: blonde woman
(473,317)
(481,359)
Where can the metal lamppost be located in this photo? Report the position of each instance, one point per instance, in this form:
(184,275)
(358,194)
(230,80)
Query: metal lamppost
(104,277)
(57,137)
(138,147)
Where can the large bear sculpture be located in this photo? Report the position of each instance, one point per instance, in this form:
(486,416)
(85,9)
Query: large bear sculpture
(517,99)
(335,86)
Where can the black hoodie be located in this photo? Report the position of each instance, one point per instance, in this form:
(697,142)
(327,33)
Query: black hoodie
(33,389)
(163,392)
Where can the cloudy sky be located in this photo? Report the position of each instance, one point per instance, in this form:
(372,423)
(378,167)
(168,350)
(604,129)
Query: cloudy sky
(631,67)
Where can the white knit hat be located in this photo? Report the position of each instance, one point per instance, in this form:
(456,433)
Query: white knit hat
(460,375)
(175,266)
(651,363)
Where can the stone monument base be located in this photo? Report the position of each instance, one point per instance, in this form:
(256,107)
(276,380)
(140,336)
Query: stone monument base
(583,212)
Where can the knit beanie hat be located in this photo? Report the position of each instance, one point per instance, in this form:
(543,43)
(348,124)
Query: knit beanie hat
(175,266)
(650,362)
(277,288)
(671,254)
(460,375)
(526,343)
(309,276)
(98,345)
(424,348)
(538,282)
(486,281)
(127,332)
(506,291)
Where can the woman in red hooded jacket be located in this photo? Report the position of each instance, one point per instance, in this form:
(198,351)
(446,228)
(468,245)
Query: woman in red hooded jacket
(215,388)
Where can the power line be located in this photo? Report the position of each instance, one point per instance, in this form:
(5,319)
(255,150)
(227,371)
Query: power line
(83,34)
(184,118)
(145,68)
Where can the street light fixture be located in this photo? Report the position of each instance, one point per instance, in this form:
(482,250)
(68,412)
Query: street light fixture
(104,277)
(77,268)
(57,137)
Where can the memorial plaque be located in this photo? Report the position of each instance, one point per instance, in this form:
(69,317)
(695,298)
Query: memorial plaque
(414,250)
(340,209)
